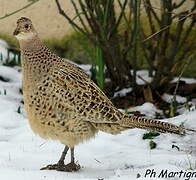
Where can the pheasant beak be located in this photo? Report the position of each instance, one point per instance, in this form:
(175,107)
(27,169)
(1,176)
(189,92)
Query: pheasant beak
(16,32)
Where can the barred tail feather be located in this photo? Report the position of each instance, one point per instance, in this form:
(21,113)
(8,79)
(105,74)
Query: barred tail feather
(144,123)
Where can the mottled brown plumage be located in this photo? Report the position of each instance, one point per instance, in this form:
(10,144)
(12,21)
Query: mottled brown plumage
(63,103)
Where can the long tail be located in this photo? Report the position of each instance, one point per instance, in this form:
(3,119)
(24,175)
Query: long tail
(144,123)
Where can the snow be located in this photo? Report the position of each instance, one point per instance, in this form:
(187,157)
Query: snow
(147,108)
(143,78)
(4,51)
(119,157)
(169,98)
(144,74)
(122,92)
(187,80)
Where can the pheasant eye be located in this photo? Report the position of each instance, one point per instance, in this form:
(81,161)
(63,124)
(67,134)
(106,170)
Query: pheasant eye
(27,26)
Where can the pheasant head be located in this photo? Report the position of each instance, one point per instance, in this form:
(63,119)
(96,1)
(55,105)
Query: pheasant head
(24,29)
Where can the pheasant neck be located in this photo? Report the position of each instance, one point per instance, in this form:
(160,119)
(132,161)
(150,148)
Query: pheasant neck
(33,44)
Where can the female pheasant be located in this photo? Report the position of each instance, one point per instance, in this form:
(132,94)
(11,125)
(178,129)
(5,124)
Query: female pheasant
(64,104)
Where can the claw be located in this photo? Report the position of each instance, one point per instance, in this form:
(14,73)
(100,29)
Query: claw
(71,167)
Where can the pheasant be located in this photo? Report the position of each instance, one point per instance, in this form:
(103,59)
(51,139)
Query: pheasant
(63,103)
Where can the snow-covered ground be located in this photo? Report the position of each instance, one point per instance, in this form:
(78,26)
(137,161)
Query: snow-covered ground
(4,52)
(122,157)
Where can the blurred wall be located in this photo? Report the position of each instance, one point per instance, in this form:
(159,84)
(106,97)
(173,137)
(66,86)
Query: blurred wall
(45,16)
(43,13)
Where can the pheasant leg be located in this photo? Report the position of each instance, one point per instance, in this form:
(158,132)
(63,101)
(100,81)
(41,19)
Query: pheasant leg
(60,166)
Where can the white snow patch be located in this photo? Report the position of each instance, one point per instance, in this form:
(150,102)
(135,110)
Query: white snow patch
(169,98)
(147,108)
(144,74)
(4,51)
(187,80)
(11,74)
(122,92)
